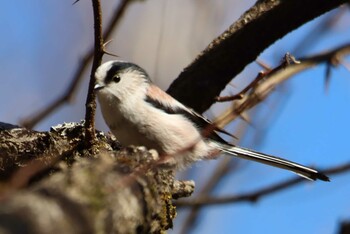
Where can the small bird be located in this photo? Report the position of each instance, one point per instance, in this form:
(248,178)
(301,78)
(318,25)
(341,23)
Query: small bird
(140,113)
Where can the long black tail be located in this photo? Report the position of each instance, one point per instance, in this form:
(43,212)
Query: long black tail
(301,170)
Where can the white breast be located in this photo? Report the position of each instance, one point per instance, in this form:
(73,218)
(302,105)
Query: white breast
(169,134)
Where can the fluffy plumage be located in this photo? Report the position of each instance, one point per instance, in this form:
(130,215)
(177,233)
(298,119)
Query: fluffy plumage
(139,113)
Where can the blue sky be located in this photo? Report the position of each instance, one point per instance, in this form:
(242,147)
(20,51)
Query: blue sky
(312,128)
(42,47)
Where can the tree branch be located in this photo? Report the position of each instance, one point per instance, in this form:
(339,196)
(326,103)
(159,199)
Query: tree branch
(204,79)
(222,170)
(69,94)
(88,196)
(258,194)
(259,91)
(19,146)
(98,53)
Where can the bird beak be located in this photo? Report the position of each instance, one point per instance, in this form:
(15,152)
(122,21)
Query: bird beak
(98,87)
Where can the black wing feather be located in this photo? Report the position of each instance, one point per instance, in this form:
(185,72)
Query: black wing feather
(201,122)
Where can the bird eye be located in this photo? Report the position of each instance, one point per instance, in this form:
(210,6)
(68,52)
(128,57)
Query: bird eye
(116,78)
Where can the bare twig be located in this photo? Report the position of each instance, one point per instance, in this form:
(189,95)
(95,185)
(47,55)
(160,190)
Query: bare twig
(287,60)
(287,69)
(263,64)
(241,94)
(98,53)
(256,195)
(69,94)
(224,167)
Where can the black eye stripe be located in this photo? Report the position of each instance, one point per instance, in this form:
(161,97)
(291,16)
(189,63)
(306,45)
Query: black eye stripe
(119,67)
(112,73)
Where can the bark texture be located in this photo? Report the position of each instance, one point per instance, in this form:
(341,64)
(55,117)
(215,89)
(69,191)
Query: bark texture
(108,192)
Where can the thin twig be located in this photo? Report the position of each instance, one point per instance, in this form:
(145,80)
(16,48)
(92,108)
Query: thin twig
(258,194)
(98,53)
(284,71)
(241,94)
(69,94)
(287,60)
(223,168)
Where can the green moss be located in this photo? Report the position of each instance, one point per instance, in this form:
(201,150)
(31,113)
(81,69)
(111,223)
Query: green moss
(168,211)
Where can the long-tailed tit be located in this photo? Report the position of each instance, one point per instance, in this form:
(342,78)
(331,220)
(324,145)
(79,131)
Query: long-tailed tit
(139,113)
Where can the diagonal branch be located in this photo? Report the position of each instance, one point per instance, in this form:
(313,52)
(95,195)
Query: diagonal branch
(69,94)
(223,169)
(258,194)
(204,79)
(276,76)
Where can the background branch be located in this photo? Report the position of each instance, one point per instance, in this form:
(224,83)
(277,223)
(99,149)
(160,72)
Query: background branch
(225,166)
(223,169)
(69,94)
(276,76)
(240,45)
(256,195)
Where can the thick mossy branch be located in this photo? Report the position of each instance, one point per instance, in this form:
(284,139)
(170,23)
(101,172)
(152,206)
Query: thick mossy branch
(18,146)
(111,192)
